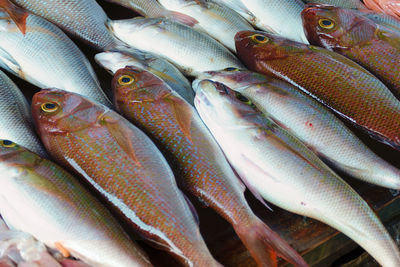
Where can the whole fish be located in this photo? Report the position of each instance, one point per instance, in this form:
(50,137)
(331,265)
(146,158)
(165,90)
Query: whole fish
(16,121)
(354,36)
(115,60)
(219,21)
(355,4)
(122,164)
(42,199)
(46,57)
(286,173)
(174,125)
(390,7)
(334,80)
(191,51)
(278,16)
(84,19)
(310,122)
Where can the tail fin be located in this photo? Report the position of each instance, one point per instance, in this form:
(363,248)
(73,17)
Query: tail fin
(265,245)
(17,14)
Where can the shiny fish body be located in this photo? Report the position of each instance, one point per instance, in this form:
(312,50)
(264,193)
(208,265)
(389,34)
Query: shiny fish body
(115,60)
(220,22)
(337,82)
(286,173)
(127,170)
(390,7)
(61,65)
(16,121)
(375,48)
(242,10)
(147,8)
(42,199)
(384,20)
(356,4)
(191,51)
(312,123)
(84,19)
(199,163)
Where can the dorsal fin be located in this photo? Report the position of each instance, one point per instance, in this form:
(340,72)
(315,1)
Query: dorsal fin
(17,14)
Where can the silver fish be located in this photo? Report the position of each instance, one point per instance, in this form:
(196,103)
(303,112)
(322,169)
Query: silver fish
(285,172)
(112,61)
(46,57)
(16,121)
(84,19)
(60,212)
(191,51)
(219,21)
(339,3)
(312,123)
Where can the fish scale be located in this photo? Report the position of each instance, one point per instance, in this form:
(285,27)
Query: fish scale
(199,164)
(356,4)
(337,82)
(125,168)
(84,19)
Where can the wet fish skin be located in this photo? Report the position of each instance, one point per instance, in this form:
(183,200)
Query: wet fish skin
(62,214)
(383,20)
(117,59)
(390,7)
(310,122)
(198,162)
(286,173)
(16,123)
(218,21)
(337,82)
(67,68)
(84,19)
(189,50)
(354,36)
(126,169)
(356,4)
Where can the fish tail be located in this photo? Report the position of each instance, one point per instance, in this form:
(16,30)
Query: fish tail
(265,245)
(17,14)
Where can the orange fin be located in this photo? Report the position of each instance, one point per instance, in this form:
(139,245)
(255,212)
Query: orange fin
(265,245)
(62,250)
(120,134)
(183,114)
(17,14)
(181,18)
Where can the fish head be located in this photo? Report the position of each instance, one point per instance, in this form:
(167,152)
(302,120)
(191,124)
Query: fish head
(221,104)
(112,61)
(16,155)
(254,47)
(335,28)
(57,112)
(135,84)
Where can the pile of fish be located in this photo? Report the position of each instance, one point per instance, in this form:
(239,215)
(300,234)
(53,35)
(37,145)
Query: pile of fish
(208,98)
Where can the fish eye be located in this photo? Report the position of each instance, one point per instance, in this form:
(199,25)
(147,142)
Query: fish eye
(7,143)
(258,38)
(243,99)
(326,23)
(125,80)
(231,69)
(49,107)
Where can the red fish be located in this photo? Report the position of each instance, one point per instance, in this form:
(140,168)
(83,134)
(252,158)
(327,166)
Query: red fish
(354,36)
(390,7)
(199,163)
(334,80)
(121,163)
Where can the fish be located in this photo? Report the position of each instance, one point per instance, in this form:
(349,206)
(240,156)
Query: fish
(16,120)
(390,7)
(354,36)
(42,199)
(189,50)
(334,80)
(313,124)
(355,4)
(125,168)
(383,20)
(153,9)
(218,21)
(286,173)
(277,16)
(199,164)
(117,59)
(85,20)
(60,65)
